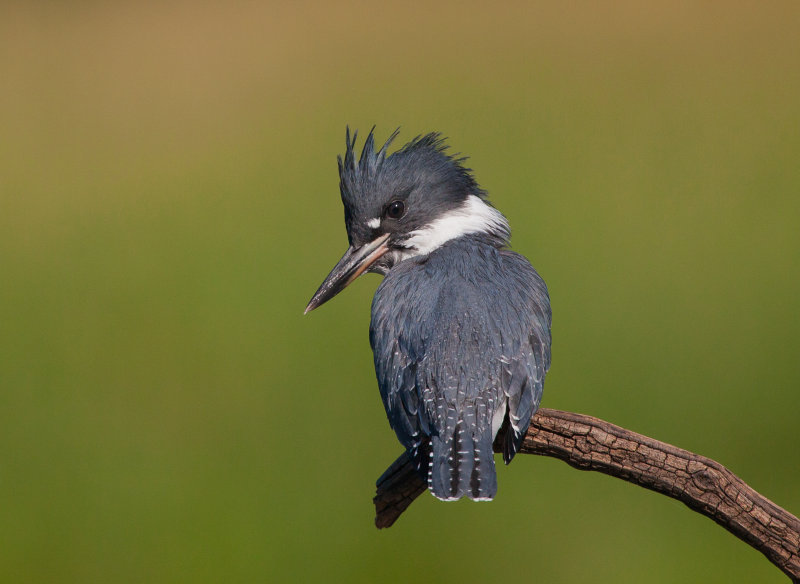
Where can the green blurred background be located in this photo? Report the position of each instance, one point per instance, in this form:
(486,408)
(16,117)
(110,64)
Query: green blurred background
(169,202)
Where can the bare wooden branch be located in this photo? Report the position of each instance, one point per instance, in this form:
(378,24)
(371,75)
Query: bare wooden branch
(588,443)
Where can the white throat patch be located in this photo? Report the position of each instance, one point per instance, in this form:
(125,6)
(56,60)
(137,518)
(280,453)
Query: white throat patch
(474,216)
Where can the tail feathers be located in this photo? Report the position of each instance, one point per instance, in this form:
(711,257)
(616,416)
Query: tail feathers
(462,466)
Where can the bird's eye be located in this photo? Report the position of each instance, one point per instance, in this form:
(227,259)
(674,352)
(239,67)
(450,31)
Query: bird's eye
(396,209)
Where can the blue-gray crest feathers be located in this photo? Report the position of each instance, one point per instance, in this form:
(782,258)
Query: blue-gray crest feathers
(367,165)
(425,153)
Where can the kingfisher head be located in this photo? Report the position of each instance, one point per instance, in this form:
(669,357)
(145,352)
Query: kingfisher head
(405,205)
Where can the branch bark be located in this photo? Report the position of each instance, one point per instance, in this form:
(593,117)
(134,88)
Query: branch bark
(588,443)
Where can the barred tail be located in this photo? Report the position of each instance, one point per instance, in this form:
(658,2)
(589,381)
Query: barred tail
(462,466)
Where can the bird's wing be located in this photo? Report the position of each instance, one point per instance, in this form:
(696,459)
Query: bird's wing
(397,379)
(529,325)
(396,368)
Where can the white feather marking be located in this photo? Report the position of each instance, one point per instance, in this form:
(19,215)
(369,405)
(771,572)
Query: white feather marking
(374,223)
(497,419)
(474,216)
(447,499)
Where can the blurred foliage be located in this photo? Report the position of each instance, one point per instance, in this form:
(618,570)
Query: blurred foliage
(169,202)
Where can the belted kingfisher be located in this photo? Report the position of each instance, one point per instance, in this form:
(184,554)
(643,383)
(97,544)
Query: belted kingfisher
(460,326)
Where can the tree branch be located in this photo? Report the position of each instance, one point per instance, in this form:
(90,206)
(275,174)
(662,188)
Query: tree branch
(588,443)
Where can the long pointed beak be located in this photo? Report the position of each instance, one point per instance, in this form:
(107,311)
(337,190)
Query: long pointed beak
(354,262)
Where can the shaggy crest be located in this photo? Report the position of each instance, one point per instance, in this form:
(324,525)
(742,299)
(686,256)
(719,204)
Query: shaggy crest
(428,151)
(370,161)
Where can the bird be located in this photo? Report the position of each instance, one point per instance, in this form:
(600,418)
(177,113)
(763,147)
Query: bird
(460,324)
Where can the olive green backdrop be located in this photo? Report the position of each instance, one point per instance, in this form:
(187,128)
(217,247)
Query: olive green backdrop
(169,202)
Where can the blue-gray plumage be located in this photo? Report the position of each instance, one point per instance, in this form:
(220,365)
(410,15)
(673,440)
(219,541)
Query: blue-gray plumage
(461,341)
(460,326)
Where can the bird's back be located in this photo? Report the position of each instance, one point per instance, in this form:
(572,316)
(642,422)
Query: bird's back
(461,340)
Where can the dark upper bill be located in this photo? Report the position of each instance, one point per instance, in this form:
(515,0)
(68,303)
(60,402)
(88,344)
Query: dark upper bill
(354,262)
